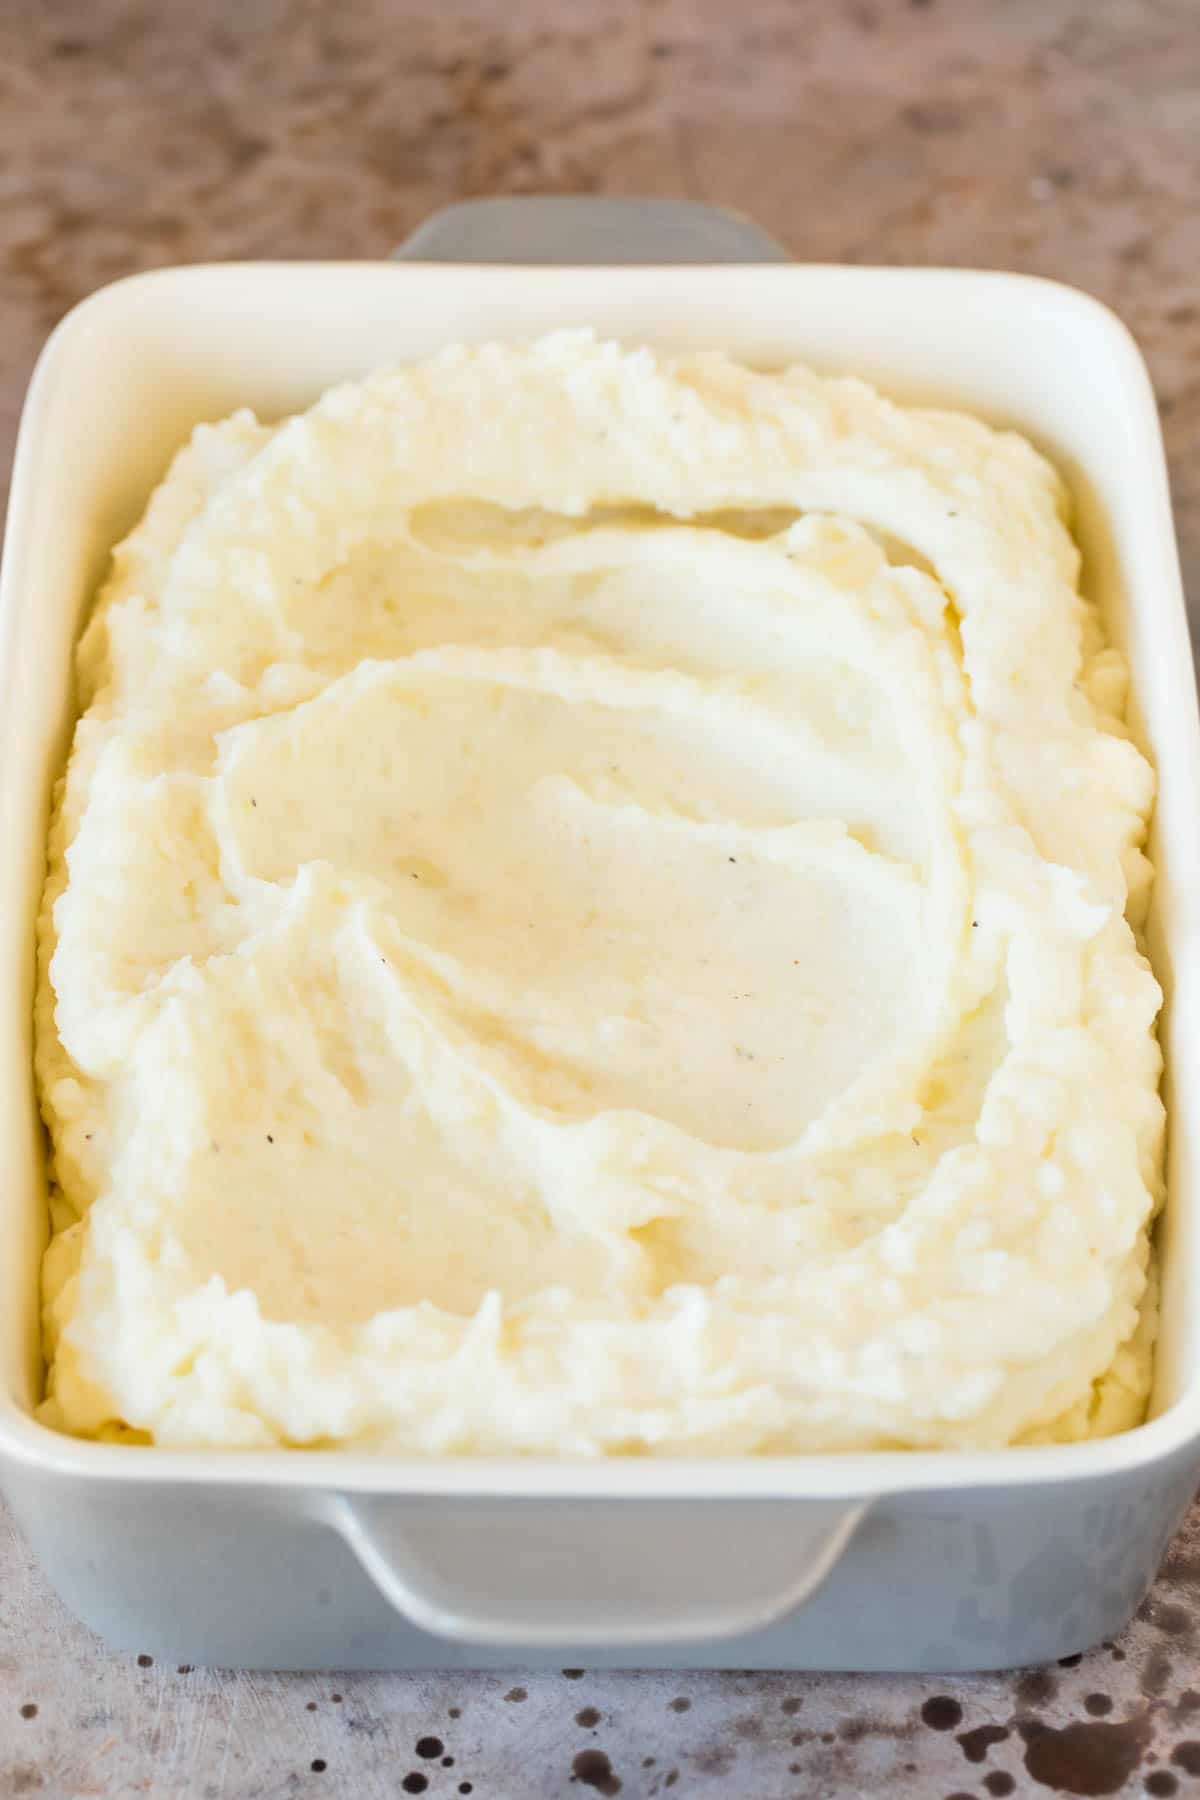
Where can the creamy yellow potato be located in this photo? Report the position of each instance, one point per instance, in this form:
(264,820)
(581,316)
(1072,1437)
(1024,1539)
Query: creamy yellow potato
(592,909)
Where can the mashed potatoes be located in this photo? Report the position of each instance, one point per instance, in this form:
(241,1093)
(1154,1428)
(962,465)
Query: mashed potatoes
(589,912)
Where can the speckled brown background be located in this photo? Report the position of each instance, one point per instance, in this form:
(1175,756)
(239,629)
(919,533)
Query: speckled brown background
(1060,136)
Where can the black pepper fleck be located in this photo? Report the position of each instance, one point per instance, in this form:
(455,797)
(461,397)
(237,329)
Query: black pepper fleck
(311,1707)
(429,1748)
(415,1783)
(318,1765)
(1161,1783)
(29,1710)
(144,1661)
(681,1705)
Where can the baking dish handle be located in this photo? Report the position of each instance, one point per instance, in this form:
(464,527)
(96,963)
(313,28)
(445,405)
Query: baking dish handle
(580,229)
(540,1573)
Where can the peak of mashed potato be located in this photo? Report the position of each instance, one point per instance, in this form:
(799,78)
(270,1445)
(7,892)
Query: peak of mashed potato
(588,913)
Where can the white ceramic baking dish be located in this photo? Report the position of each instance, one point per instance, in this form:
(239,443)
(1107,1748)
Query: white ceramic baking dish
(917,1561)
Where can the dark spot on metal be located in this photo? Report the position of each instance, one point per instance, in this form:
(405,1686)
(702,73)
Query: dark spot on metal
(1186,1756)
(311,1707)
(1156,1674)
(976,1744)
(1037,1688)
(574,1674)
(336,1699)
(941,1713)
(588,1717)
(29,1710)
(415,1782)
(855,1730)
(1161,1783)
(648,1762)
(827,1737)
(1175,1621)
(514,1696)
(999,1782)
(1099,1705)
(465,1787)
(681,1704)
(184,1669)
(594,1770)
(454,1712)
(672,1778)
(1085,1757)
(22,1778)
(145,1662)
(792,1705)
(717,1760)
(430,1748)
(1071,1662)
(318,1765)
(447,1762)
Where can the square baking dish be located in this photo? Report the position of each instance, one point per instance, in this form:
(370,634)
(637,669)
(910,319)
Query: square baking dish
(311,1559)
